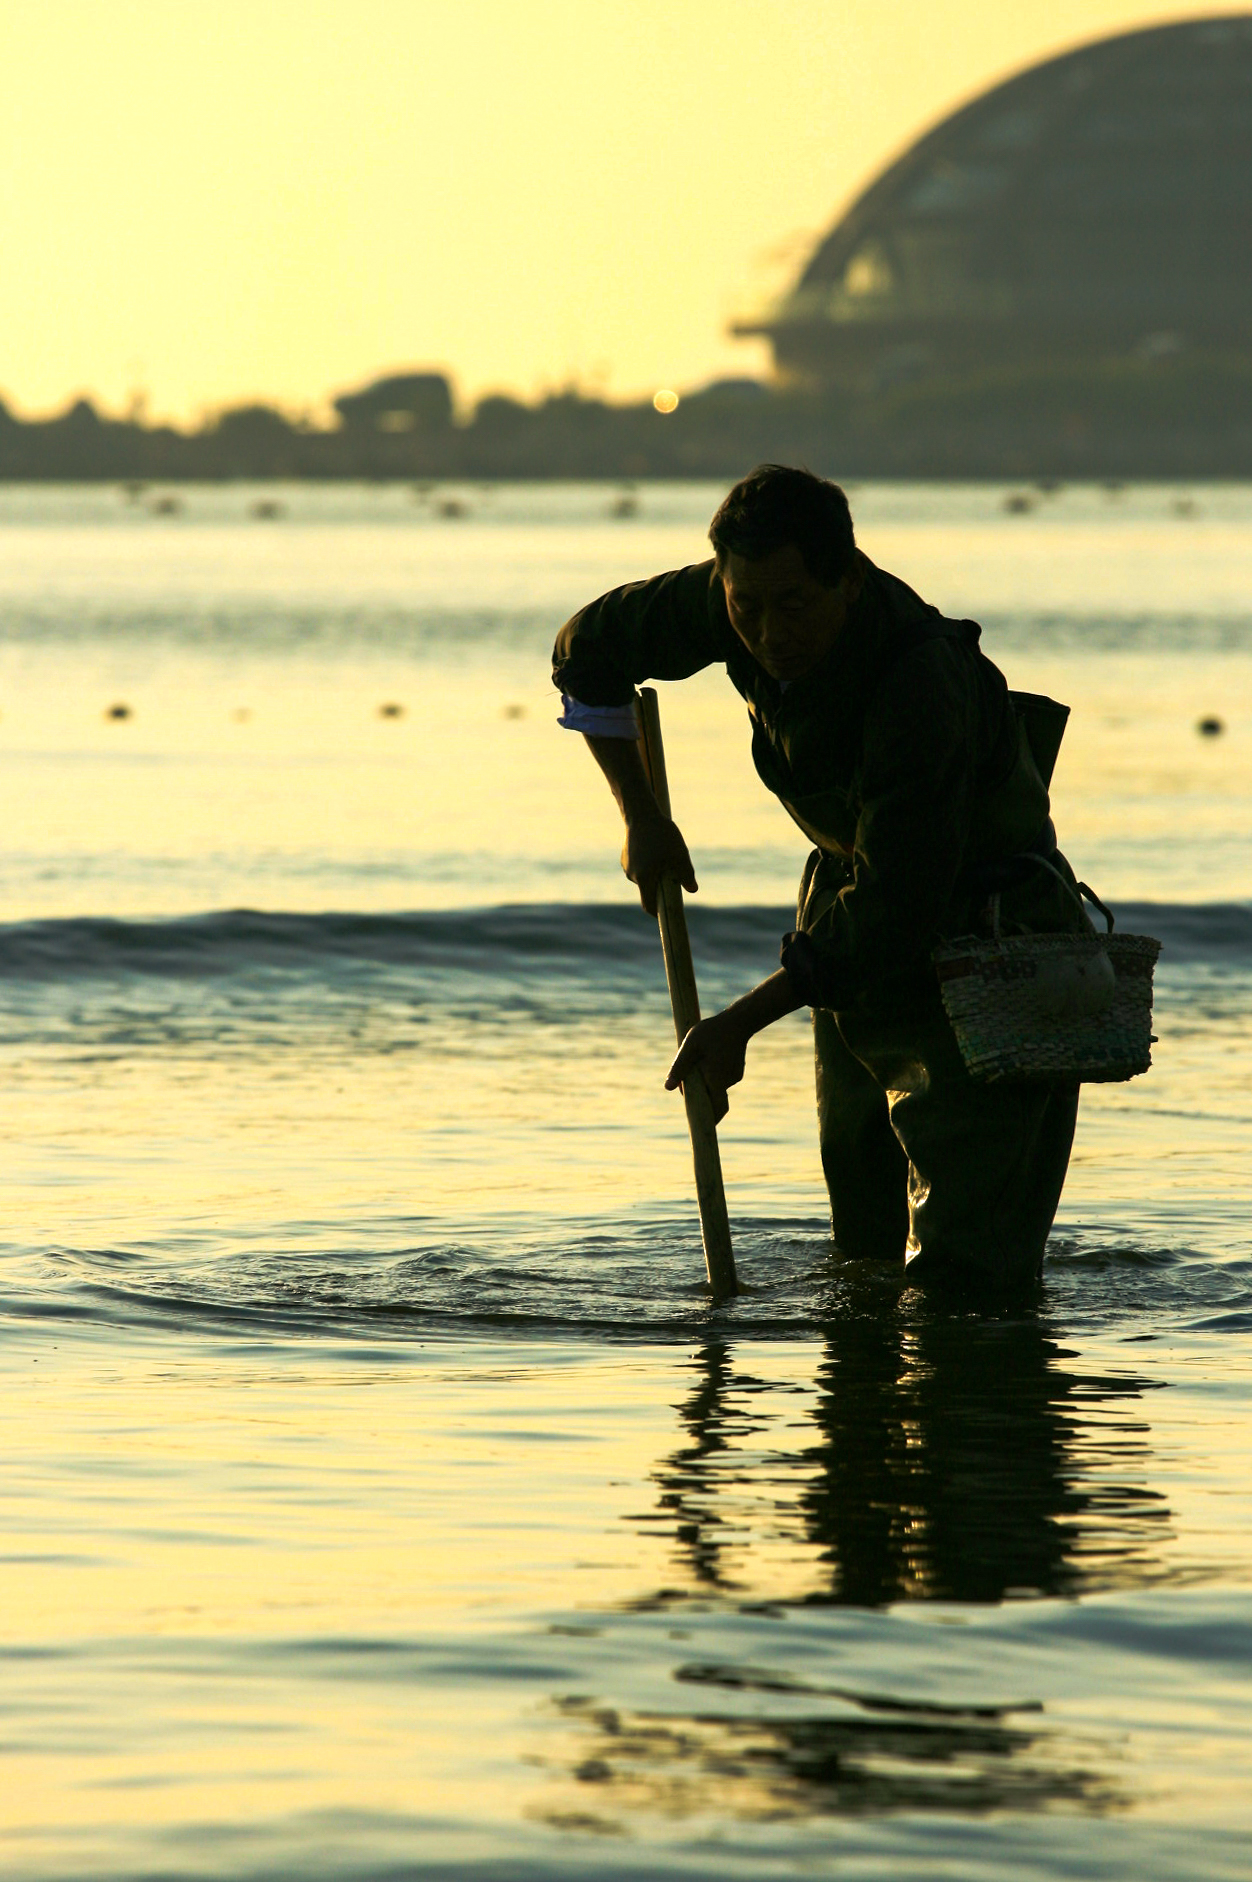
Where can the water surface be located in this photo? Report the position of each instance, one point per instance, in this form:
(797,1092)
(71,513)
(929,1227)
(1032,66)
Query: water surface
(383,1495)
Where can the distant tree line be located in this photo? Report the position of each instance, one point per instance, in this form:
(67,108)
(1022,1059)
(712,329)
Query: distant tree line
(1184,416)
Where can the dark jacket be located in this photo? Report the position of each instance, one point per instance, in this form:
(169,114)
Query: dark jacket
(901,752)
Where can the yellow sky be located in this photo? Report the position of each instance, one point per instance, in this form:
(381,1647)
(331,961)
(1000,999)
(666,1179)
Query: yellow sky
(216,199)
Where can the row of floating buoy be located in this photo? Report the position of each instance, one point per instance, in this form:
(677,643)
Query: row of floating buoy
(1210,726)
(271,509)
(453,509)
(166,503)
(1022,502)
(450,509)
(626,506)
(120,711)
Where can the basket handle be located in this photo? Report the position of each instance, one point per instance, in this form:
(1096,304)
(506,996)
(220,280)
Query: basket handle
(1069,889)
(1094,899)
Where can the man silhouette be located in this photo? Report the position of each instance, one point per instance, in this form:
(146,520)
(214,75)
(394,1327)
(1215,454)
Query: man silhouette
(895,745)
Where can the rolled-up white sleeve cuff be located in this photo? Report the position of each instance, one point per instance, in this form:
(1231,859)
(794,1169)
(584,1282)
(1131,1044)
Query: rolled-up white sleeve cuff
(600,721)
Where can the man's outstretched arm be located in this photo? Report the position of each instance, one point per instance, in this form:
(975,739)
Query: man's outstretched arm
(654,845)
(719,1045)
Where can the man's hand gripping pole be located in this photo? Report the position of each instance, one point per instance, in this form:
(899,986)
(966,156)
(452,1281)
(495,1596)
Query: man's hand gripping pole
(719,1256)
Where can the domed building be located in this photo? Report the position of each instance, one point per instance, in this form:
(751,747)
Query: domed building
(1097,206)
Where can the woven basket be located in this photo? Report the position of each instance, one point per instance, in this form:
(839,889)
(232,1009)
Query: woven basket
(1001,998)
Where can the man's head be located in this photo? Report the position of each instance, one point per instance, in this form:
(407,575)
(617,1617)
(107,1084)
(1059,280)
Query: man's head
(789,566)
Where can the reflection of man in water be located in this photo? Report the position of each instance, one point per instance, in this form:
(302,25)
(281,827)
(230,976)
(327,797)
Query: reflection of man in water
(956,1459)
(895,746)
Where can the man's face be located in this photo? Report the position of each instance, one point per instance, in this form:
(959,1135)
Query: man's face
(787,620)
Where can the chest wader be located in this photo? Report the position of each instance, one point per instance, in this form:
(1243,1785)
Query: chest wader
(961,1178)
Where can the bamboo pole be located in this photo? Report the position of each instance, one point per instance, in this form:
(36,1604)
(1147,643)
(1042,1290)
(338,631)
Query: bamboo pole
(719,1256)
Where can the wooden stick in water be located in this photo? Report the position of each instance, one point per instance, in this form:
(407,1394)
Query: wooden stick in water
(719,1256)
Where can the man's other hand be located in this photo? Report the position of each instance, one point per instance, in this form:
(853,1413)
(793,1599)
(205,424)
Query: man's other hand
(716,1048)
(654,847)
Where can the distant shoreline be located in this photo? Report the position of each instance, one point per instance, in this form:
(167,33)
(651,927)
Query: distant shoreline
(1187,416)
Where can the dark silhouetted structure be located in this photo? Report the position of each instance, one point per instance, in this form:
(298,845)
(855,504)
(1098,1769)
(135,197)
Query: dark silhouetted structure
(1096,206)
(414,401)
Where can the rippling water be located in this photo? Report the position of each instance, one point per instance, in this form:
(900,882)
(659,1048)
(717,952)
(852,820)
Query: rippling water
(382,1494)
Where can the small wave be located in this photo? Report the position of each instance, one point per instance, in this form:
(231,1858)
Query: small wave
(627,1279)
(523,1279)
(538,936)
(541,936)
(1203,931)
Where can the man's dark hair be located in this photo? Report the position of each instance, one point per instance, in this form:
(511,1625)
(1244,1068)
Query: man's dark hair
(775,505)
